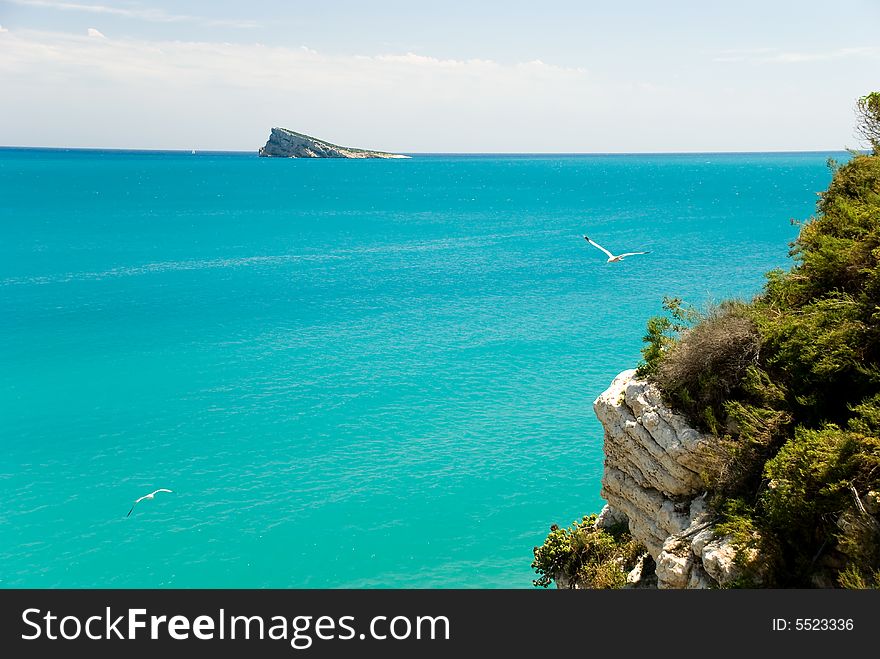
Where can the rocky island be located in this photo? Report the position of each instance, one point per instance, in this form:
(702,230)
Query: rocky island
(284,143)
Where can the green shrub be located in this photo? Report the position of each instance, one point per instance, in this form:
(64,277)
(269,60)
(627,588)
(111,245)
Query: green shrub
(586,556)
(758,552)
(836,251)
(808,479)
(755,431)
(853,578)
(858,540)
(812,498)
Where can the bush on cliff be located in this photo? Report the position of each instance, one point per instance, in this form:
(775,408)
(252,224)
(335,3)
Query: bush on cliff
(585,556)
(707,365)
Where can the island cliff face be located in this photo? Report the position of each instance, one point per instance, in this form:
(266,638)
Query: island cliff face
(651,480)
(285,143)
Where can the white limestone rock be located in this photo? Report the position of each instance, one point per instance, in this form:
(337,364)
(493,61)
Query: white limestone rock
(652,478)
(608,518)
(674,564)
(701,539)
(719,560)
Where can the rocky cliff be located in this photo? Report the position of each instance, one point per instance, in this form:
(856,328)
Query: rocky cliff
(285,143)
(653,462)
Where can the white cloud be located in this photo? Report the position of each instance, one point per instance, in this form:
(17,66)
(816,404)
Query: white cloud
(3,29)
(144,14)
(771,55)
(841,53)
(209,95)
(214,86)
(247,66)
(92,32)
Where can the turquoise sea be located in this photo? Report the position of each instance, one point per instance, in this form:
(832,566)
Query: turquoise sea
(350,373)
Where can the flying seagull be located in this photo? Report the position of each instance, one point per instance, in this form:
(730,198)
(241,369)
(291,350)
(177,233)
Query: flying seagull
(611,257)
(146,496)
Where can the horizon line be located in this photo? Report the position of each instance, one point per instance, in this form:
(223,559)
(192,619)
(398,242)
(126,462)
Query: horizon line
(436,153)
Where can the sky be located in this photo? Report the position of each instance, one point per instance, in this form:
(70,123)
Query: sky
(414,76)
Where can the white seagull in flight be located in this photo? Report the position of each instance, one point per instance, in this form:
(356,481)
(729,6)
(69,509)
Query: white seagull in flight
(611,257)
(147,496)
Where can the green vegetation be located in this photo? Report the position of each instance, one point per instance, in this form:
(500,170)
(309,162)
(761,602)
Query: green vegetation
(706,366)
(789,382)
(587,556)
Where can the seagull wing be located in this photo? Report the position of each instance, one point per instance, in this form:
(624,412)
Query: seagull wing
(146,496)
(594,244)
(633,254)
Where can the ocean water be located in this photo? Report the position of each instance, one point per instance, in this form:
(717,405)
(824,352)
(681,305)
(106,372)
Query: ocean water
(358,374)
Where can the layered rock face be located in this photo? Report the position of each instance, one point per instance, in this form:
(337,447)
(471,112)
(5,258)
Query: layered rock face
(653,461)
(285,143)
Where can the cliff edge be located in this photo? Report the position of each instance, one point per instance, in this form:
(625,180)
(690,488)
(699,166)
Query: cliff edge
(785,492)
(652,481)
(285,143)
